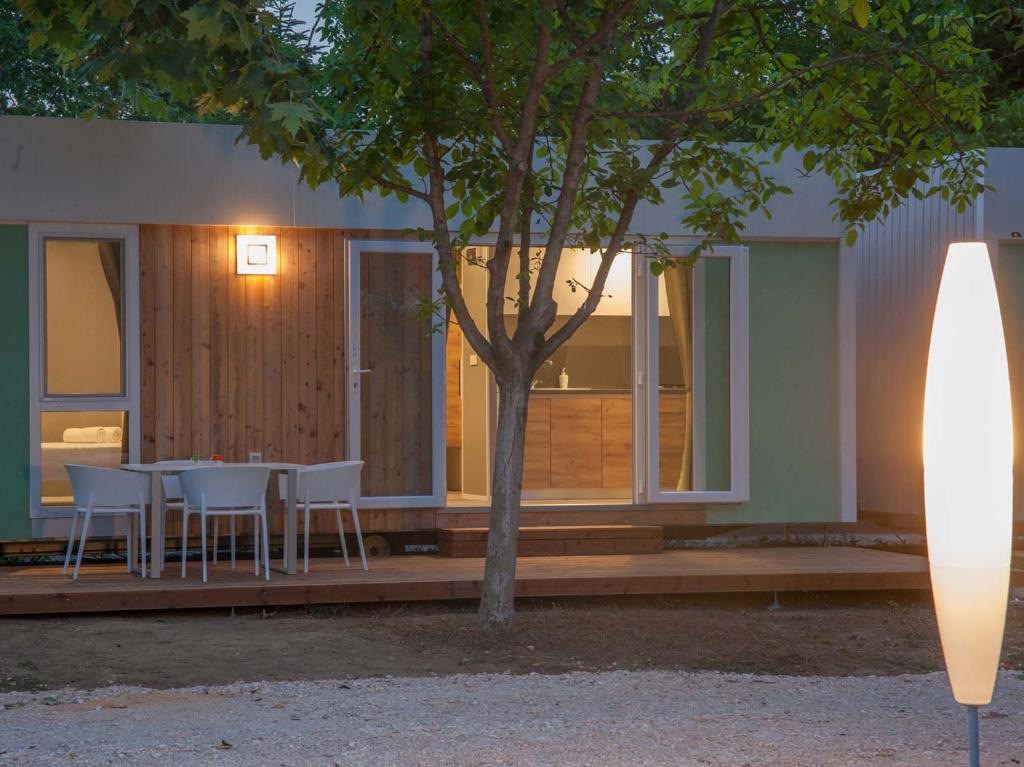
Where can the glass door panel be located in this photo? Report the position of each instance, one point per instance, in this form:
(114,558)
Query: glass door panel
(396,421)
(697,352)
(579,433)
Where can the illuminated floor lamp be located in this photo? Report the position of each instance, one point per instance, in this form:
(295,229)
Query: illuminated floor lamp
(968,476)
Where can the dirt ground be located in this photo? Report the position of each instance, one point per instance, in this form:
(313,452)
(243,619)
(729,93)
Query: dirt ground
(851,636)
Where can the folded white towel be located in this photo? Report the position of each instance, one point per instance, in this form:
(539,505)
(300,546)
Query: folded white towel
(93,434)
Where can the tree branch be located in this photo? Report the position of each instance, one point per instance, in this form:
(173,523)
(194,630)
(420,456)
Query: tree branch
(435,199)
(612,250)
(613,14)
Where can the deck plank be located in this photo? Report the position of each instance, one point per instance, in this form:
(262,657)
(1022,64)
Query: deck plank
(104,588)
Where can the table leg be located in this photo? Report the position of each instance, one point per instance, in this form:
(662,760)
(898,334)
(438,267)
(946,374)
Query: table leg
(291,526)
(156,545)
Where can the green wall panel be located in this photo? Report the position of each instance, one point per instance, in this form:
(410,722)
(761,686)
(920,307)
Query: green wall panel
(14,501)
(794,428)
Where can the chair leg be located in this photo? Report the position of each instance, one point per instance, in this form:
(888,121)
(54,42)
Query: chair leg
(131,542)
(216,536)
(202,534)
(359,536)
(71,542)
(305,538)
(142,539)
(261,521)
(233,542)
(341,536)
(81,544)
(161,530)
(184,540)
(256,548)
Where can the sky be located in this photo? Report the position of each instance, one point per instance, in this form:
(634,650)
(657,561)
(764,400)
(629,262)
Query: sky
(306,9)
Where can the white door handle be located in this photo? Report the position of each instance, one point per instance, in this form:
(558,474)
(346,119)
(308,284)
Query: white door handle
(361,371)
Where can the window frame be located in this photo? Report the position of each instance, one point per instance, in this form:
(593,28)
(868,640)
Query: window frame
(39,401)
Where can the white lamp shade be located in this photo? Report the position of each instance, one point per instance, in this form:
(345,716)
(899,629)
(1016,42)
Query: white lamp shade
(968,471)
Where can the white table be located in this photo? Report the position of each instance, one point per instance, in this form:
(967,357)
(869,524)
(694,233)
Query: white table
(157,470)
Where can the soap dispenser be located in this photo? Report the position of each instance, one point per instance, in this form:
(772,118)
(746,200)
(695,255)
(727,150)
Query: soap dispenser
(563,380)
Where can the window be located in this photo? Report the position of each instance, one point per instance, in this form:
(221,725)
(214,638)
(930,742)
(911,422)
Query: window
(84,307)
(84,375)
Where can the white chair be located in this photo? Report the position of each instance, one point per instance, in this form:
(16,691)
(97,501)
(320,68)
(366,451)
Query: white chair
(329,486)
(108,491)
(227,491)
(174,500)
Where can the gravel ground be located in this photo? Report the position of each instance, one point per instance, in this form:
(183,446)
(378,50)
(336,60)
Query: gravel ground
(610,718)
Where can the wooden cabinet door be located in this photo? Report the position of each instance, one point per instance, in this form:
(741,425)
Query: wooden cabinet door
(537,460)
(576,442)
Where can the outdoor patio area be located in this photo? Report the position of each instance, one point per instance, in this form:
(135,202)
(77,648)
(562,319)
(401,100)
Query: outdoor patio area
(108,587)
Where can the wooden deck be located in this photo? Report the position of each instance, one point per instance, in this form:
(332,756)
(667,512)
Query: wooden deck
(42,589)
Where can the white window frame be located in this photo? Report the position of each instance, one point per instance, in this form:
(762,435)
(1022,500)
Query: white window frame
(354,376)
(39,401)
(739,389)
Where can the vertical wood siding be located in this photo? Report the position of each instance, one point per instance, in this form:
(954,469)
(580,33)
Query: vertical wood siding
(900,263)
(233,364)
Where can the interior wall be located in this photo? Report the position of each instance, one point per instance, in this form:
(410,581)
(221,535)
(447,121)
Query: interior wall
(476,392)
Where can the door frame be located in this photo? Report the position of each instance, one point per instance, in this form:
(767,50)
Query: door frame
(353,376)
(646,421)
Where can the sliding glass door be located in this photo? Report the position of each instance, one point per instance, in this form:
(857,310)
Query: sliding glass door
(645,403)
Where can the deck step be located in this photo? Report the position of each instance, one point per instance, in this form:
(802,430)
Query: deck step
(558,540)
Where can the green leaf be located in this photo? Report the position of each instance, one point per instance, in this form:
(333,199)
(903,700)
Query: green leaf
(290,115)
(860,12)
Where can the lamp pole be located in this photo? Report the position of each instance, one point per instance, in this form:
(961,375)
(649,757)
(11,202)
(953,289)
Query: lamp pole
(973,745)
(968,477)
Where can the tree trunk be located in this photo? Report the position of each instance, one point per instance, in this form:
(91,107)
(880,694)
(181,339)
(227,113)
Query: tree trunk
(497,598)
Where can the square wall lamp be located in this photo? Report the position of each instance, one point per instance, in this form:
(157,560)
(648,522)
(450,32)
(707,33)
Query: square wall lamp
(256,254)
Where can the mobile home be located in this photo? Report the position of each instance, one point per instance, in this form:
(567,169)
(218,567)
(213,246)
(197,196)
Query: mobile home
(135,330)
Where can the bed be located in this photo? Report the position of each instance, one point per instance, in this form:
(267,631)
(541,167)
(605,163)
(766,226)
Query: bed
(55,481)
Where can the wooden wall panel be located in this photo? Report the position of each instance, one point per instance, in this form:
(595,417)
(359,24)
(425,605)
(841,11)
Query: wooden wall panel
(233,364)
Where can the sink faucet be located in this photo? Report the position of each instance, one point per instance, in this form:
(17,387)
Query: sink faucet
(535,381)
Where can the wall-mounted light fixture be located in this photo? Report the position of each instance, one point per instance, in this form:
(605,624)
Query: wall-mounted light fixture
(968,476)
(256,254)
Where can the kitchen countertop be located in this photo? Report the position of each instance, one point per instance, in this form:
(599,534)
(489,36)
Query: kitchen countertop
(580,392)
